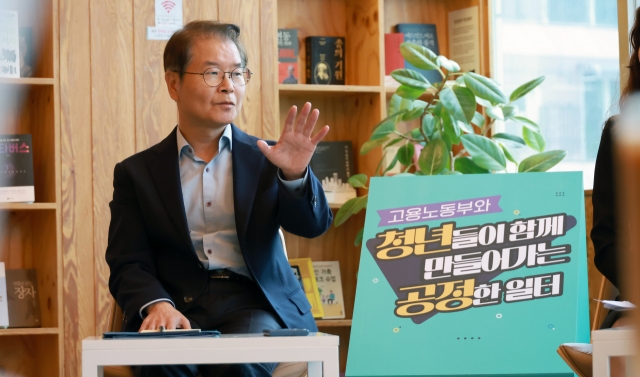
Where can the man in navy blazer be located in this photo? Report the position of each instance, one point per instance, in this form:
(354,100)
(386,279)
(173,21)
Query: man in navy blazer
(193,239)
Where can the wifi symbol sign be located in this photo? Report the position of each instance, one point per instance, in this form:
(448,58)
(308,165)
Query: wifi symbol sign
(168,5)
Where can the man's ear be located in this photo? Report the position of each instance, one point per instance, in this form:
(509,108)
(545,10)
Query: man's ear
(173,84)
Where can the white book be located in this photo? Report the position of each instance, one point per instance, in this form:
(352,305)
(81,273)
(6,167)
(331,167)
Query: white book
(9,44)
(4,307)
(330,289)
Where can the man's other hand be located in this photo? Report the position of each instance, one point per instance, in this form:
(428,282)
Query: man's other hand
(293,151)
(164,314)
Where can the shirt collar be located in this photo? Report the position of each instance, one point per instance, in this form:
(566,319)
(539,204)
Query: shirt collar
(225,141)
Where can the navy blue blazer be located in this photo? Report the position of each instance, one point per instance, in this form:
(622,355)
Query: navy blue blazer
(150,253)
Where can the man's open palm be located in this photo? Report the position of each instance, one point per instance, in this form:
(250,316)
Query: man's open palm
(293,151)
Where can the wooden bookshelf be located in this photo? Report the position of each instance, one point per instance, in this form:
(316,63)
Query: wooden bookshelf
(30,232)
(353,110)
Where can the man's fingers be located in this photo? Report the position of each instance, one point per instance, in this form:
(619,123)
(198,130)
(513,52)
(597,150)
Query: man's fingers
(311,122)
(291,118)
(184,322)
(170,324)
(302,119)
(320,135)
(264,147)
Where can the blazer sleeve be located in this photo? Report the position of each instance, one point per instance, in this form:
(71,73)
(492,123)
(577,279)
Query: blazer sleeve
(133,281)
(603,233)
(308,215)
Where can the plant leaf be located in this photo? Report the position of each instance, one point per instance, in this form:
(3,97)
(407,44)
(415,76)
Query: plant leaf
(485,88)
(541,162)
(525,88)
(410,78)
(459,102)
(484,152)
(495,112)
(358,181)
(394,104)
(428,124)
(465,165)
(447,64)
(509,111)
(533,139)
(507,153)
(386,126)
(451,173)
(478,119)
(434,157)
(358,240)
(350,208)
(408,92)
(391,165)
(405,154)
(533,126)
(418,57)
(412,114)
(466,127)
(371,144)
(421,49)
(483,102)
(451,129)
(510,139)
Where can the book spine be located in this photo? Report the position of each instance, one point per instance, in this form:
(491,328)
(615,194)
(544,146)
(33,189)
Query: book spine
(4,308)
(392,57)
(326,60)
(308,60)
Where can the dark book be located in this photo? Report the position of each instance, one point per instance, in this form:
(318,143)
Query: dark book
(16,164)
(423,35)
(392,57)
(288,72)
(23,298)
(332,164)
(325,60)
(27,53)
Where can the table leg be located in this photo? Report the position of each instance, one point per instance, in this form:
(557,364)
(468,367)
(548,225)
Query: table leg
(314,369)
(90,368)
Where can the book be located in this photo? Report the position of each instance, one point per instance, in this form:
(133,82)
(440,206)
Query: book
(23,298)
(288,56)
(325,60)
(4,308)
(330,288)
(16,164)
(9,44)
(423,35)
(392,57)
(27,53)
(332,164)
(303,269)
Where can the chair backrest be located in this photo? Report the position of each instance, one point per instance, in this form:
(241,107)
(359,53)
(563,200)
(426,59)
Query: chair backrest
(116,317)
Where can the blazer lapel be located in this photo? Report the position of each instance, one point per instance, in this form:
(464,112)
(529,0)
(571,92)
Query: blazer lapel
(165,172)
(247,162)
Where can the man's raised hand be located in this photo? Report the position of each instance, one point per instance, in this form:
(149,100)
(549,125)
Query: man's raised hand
(293,151)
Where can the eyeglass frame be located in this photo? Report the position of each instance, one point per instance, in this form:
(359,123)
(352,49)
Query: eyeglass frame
(223,76)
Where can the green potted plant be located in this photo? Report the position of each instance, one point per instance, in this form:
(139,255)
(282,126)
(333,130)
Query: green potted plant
(450,135)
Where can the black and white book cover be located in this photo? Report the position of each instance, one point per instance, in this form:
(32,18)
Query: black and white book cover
(16,164)
(24,300)
(325,60)
(332,164)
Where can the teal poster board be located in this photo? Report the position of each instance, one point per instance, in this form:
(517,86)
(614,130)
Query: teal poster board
(466,275)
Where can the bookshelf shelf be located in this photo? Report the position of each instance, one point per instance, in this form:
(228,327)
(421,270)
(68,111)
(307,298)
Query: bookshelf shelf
(27,206)
(333,322)
(28,81)
(300,89)
(30,331)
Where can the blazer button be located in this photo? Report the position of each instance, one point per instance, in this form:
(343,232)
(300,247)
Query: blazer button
(188,299)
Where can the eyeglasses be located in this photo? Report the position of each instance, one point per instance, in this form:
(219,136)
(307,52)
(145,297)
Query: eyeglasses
(214,76)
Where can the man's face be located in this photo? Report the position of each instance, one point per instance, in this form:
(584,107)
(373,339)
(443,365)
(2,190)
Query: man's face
(202,104)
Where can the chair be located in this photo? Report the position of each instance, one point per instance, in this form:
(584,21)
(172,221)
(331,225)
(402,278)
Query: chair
(297,369)
(578,356)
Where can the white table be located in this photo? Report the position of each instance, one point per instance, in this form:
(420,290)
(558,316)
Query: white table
(318,349)
(608,343)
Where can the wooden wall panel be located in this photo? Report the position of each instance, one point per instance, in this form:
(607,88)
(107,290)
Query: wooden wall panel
(269,69)
(199,10)
(113,123)
(155,112)
(246,14)
(76,179)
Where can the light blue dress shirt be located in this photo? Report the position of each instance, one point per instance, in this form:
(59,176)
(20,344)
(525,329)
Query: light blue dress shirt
(207,192)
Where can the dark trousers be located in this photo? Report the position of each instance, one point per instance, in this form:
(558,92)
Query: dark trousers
(231,307)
